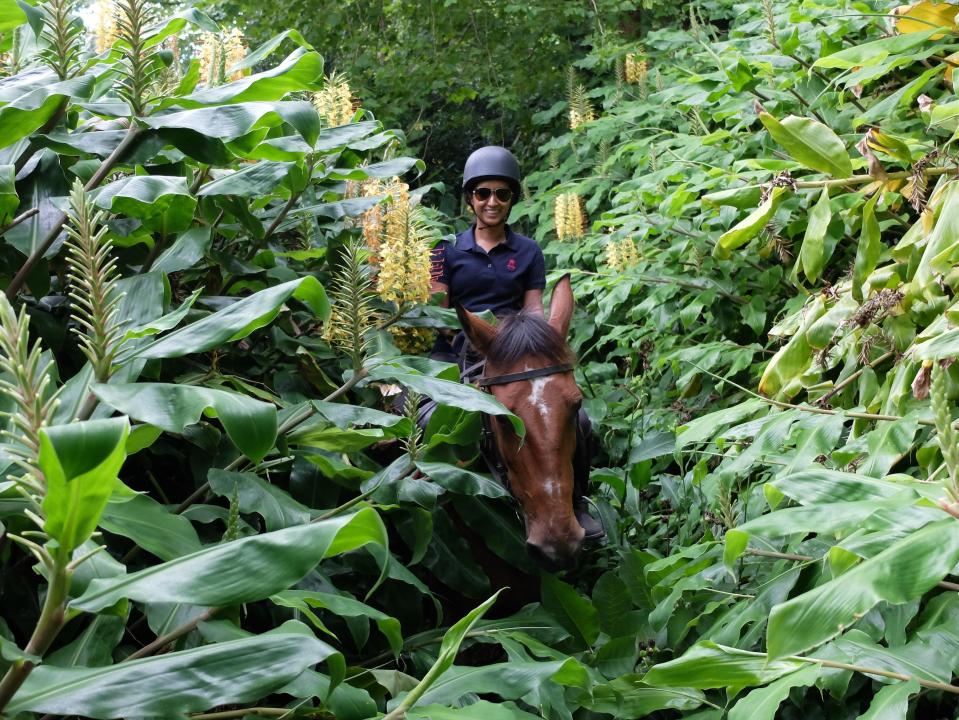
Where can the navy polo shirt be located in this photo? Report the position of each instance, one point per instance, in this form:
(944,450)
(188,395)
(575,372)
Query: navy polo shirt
(496,281)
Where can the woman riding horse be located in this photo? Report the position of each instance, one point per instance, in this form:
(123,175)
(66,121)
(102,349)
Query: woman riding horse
(491,267)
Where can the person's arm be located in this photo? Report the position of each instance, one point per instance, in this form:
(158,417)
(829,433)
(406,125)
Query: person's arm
(533,302)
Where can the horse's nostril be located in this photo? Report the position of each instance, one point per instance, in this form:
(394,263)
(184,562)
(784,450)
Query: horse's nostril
(549,559)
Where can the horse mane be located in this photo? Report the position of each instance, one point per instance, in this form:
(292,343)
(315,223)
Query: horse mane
(526,334)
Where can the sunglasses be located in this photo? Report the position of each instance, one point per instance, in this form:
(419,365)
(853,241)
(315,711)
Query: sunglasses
(483,194)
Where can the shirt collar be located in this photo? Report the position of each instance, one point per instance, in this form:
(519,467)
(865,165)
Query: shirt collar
(467,241)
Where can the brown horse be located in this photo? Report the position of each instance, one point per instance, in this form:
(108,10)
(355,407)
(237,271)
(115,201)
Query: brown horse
(529,370)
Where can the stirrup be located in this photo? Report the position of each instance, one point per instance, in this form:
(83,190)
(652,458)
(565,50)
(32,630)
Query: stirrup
(595,532)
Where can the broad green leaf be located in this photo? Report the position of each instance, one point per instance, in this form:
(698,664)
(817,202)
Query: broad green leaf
(250,423)
(302,70)
(244,570)
(238,320)
(8,193)
(481,710)
(186,252)
(11,15)
(257,495)
(29,103)
(508,680)
(162,202)
(706,426)
(810,143)
(342,606)
(461,480)
(166,322)
(944,235)
(151,526)
(763,703)
(573,611)
(256,180)
(873,53)
(868,249)
(891,702)
(888,444)
(238,671)
(267,49)
(230,122)
(449,648)
(708,665)
(95,645)
(914,659)
(448,393)
(903,572)
(80,463)
(747,196)
(812,253)
(629,697)
(749,227)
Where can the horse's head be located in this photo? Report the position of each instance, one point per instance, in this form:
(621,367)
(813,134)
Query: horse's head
(540,466)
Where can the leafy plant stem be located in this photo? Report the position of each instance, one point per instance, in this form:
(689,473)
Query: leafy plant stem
(164,640)
(51,620)
(809,408)
(866,179)
(243,712)
(25,215)
(13,289)
(852,378)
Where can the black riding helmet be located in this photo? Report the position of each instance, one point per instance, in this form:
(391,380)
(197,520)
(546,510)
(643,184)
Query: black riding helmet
(490,162)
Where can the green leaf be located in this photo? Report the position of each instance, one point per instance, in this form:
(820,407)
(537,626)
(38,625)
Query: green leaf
(812,253)
(301,70)
(891,702)
(245,570)
(481,710)
(162,202)
(345,416)
(151,526)
(573,611)
(905,571)
(166,322)
(888,444)
(707,426)
(238,671)
(80,463)
(342,606)
(629,697)
(708,665)
(749,227)
(188,250)
(444,661)
(238,320)
(32,98)
(461,480)
(267,49)
(448,393)
(508,680)
(250,423)
(763,704)
(230,122)
(257,495)
(868,249)
(8,193)
(11,15)
(810,143)
(873,53)
(255,180)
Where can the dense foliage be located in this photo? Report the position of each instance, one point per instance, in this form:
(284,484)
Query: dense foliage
(205,509)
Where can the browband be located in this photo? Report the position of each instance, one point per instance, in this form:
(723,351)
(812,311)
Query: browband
(525,375)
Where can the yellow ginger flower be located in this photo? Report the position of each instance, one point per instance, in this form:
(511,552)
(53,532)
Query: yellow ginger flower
(580,114)
(234,50)
(334,102)
(568,216)
(105,32)
(621,254)
(412,340)
(398,243)
(636,69)
(211,59)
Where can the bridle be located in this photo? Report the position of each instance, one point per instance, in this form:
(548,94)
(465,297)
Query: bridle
(489,449)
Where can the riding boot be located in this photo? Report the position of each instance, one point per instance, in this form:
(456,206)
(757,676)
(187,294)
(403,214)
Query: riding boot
(582,459)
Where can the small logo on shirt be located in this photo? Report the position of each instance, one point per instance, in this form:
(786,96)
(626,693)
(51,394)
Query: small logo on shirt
(511,265)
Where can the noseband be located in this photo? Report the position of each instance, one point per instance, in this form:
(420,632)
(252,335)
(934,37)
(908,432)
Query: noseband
(525,375)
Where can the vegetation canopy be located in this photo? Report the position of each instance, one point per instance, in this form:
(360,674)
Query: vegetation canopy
(215,260)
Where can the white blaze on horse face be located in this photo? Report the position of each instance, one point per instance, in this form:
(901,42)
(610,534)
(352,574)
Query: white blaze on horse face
(537,395)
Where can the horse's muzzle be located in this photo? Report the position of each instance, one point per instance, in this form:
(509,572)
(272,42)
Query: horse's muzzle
(553,558)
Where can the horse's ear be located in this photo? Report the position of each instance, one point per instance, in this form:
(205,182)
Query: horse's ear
(561,306)
(479,332)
